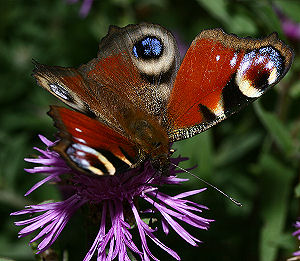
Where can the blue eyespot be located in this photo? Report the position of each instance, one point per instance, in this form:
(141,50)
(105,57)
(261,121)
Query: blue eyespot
(274,57)
(149,47)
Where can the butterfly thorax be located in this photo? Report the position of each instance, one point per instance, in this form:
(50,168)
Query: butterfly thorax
(151,139)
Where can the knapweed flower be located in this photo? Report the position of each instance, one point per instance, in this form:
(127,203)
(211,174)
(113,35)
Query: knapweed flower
(290,28)
(114,197)
(85,7)
(296,234)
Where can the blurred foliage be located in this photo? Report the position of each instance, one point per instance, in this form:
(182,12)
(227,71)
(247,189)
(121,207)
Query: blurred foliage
(254,156)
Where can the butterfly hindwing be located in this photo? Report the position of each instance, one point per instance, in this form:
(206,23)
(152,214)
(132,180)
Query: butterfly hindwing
(220,74)
(89,145)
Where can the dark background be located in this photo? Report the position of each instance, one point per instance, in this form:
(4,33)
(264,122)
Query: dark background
(253,156)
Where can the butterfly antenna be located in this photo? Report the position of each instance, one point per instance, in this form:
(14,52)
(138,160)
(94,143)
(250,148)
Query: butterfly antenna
(212,186)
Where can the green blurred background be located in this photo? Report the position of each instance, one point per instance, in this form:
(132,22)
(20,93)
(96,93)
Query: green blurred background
(253,156)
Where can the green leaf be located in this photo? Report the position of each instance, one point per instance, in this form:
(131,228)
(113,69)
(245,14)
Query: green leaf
(13,199)
(235,148)
(242,25)
(199,150)
(266,17)
(11,158)
(276,182)
(276,128)
(297,190)
(217,8)
(295,90)
(18,250)
(290,8)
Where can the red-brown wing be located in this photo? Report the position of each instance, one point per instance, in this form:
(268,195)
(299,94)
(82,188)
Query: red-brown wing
(139,63)
(89,97)
(220,74)
(67,84)
(132,74)
(90,146)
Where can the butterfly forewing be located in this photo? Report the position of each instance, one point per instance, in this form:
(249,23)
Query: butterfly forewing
(220,74)
(67,84)
(139,62)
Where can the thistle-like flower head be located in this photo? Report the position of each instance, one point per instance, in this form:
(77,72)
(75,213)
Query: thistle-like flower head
(115,197)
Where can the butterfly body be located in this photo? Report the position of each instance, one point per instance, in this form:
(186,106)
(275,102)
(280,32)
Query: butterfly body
(135,98)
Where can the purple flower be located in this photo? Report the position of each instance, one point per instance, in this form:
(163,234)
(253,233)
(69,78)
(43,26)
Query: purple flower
(85,7)
(114,196)
(296,234)
(290,28)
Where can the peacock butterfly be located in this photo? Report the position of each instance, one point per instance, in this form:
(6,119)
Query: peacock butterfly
(136,97)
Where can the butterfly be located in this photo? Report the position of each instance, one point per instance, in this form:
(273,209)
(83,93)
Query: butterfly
(136,97)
